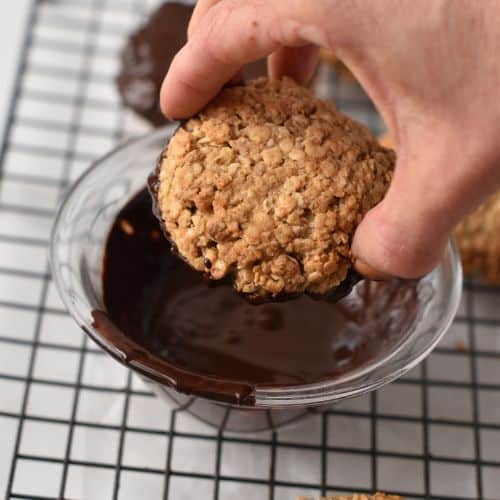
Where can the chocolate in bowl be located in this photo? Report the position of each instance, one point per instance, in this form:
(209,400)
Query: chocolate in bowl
(171,310)
(78,240)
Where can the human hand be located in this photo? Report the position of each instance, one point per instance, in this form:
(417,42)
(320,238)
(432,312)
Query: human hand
(431,68)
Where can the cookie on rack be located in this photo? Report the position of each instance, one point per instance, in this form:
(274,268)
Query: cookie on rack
(265,188)
(478,238)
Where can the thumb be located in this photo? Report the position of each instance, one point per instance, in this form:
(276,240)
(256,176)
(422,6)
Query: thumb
(406,234)
(395,240)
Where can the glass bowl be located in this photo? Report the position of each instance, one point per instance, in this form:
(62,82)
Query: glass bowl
(76,252)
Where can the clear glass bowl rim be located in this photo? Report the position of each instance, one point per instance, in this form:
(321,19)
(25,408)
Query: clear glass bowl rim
(325,392)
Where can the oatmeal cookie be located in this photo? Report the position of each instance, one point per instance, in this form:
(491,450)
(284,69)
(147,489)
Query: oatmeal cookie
(266,187)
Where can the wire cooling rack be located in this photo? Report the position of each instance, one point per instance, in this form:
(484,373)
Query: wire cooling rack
(75,424)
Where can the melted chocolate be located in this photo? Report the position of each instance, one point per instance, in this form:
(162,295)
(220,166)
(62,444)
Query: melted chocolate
(147,57)
(173,319)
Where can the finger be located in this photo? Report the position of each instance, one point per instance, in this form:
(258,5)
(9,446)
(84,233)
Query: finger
(407,233)
(201,8)
(296,62)
(233,33)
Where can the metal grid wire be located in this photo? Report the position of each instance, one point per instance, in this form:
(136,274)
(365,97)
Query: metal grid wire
(74,424)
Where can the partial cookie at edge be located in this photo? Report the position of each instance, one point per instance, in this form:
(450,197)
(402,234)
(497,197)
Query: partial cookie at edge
(478,238)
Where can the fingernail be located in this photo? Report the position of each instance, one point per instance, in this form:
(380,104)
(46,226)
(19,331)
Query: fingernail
(168,116)
(369,272)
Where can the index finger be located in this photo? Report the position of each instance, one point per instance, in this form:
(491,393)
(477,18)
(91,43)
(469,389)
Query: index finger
(233,33)
(200,9)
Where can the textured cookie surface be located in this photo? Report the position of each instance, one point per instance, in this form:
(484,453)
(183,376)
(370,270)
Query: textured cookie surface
(267,185)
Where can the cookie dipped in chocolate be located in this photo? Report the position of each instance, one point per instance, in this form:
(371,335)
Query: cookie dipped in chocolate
(209,333)
(147,56)
(266,186)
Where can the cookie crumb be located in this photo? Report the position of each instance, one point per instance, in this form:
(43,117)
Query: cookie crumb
(126,227)
(461,346)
